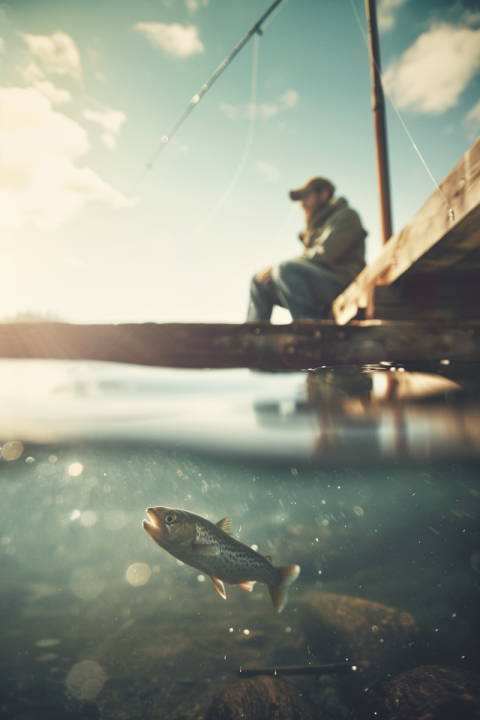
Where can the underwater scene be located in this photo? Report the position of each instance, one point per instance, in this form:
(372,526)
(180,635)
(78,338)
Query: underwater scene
(365,478)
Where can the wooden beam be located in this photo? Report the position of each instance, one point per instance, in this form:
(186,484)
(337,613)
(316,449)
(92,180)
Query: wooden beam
(303,344)
(452,225)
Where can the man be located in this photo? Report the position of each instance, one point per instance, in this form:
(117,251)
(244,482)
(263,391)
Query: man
(334,254)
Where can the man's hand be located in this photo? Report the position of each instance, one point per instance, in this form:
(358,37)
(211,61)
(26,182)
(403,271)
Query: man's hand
(264,275)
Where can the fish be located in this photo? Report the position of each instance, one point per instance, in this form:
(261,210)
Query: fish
(213,550)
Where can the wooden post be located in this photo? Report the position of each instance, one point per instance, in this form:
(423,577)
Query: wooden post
(378,107)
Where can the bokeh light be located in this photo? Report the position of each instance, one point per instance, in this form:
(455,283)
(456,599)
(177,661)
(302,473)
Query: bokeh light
(86,679)
(12,450)
(88,518)
(138,574)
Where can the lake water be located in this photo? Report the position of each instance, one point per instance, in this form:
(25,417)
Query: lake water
(368,478)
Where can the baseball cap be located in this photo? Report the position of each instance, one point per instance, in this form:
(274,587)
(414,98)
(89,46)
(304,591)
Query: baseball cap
(313,185)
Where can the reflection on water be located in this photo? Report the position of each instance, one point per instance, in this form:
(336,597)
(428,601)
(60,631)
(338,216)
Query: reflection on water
(328,414)
(96,621)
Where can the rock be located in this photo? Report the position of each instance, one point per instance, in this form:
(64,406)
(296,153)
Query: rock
(373,636)
(262,698)
(433,692)
(377,639)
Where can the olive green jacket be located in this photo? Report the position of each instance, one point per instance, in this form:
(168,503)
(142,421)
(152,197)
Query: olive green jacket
(335,239)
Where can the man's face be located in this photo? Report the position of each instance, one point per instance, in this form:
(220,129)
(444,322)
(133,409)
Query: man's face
(314,200)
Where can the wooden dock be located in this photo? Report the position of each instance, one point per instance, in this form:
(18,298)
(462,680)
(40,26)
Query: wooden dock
(431,268)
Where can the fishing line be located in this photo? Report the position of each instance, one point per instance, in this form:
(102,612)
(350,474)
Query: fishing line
(198,96)
(246,151)
(394,105)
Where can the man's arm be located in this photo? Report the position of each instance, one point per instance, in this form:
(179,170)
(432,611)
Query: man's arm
(264,275)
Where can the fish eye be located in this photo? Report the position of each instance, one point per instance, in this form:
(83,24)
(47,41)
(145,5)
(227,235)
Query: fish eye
(169,519)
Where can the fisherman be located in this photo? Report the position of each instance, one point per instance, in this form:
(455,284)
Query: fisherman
(334,254)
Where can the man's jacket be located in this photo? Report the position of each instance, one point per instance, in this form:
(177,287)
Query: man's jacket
(335,239)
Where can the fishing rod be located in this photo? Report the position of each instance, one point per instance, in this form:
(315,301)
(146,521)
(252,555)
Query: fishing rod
(196,98)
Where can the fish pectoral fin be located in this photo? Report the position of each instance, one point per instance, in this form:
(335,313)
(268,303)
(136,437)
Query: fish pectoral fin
(225,524)
(219,586)
(205,549)
(269,559)
(248,585)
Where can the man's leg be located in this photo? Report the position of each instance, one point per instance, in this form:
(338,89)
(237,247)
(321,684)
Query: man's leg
(305,289)
(262,299)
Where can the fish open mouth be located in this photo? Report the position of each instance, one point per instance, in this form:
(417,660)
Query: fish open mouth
(153,528)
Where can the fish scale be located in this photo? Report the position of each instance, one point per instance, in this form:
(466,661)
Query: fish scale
(235,561)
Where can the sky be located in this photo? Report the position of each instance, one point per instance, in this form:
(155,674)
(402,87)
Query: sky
(91,234)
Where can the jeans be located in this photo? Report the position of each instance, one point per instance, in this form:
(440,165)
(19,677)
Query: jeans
(301,286)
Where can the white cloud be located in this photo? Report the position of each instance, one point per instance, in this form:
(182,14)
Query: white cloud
(52,93)
(472,120)
(110,120)
(57,53)
(264,110)
(33,75)
(230,110)
(268,172)
(2,45)
(434,71)
(289,99)
(175,39)
(39,182)
(386,13)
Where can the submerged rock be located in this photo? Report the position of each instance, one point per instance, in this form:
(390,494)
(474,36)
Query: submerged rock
(378,640)
(262,698)
(433,692)
(373,636)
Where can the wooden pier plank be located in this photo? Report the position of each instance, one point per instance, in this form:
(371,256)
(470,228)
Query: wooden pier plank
(302,345)
(449,237)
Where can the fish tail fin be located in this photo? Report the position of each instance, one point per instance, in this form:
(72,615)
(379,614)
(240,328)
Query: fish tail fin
(279,591)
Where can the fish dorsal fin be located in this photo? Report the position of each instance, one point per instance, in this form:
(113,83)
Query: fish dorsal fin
(269,559)
(225,524)
(219,586)
(247,585)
